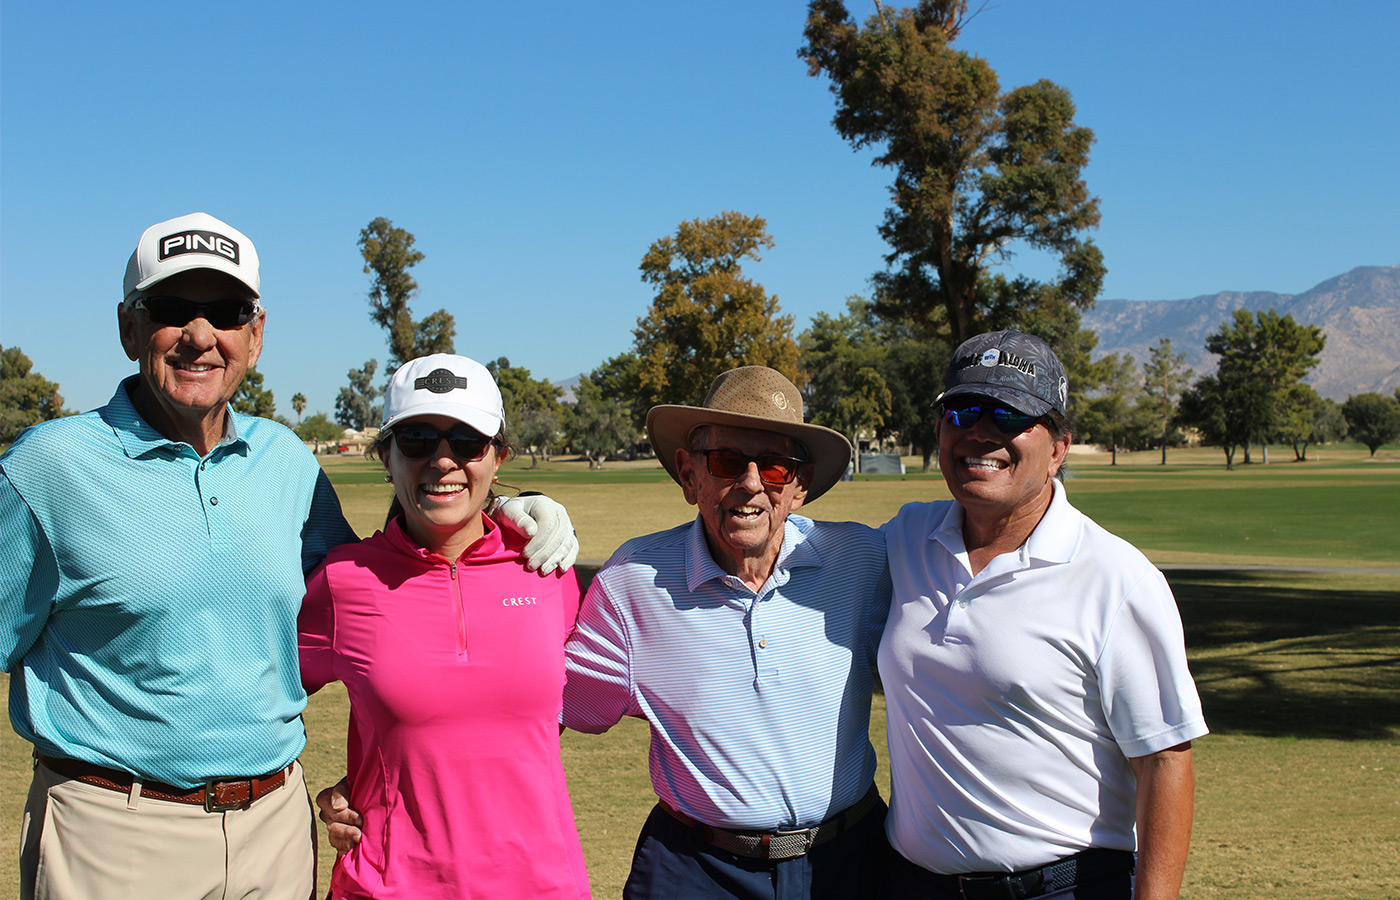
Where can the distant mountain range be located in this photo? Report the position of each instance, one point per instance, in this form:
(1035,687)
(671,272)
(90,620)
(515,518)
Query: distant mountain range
(1359,312)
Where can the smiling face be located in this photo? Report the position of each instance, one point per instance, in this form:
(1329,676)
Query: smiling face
(189,373)
(999,477)
(442,496)
(743,517)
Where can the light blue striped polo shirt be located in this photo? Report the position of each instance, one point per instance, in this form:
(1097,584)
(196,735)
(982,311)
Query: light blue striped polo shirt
(759,703)
(150,597)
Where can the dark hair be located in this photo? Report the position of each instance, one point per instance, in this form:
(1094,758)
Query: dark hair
(379,449)
(1058,425)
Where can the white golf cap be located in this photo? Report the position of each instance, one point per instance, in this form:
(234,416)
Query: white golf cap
(445,385)
(195,241)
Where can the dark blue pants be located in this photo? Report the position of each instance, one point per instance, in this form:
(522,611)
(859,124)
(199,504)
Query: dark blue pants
(907,881)
(671,863)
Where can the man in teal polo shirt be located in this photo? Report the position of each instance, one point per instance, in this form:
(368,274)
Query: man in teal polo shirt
(152,557)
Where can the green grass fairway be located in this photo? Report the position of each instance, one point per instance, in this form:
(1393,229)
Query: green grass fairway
(1338,510)
(1298,786)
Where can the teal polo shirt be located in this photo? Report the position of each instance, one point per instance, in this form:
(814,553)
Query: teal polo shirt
(149,595)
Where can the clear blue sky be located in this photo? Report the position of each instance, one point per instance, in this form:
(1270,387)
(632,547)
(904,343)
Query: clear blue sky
(536,150)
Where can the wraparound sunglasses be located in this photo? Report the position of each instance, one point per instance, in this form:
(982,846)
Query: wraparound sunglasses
(179,312)
(1008,421)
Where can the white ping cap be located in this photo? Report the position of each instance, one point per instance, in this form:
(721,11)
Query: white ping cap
(195,241)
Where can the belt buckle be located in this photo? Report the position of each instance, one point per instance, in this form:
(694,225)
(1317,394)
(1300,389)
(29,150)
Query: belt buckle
(1010,886)
(210,805)
(805,836)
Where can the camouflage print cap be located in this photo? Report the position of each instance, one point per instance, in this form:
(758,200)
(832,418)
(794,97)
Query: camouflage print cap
(1010,367)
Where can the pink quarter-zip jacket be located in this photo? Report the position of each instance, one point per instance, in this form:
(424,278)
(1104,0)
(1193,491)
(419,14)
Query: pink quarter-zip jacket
(455,672)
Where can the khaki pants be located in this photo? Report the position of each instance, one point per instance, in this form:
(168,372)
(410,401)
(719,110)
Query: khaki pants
(81,842)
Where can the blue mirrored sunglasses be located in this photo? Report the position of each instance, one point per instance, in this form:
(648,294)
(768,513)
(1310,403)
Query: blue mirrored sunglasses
(1007,421)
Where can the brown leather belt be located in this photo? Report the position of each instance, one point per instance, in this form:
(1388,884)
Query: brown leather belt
(216,795)
(780,844)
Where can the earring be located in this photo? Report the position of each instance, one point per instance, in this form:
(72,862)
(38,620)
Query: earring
(495,479)
(388,478)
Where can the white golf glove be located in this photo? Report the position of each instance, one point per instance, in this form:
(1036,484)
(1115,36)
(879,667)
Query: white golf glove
(553,544)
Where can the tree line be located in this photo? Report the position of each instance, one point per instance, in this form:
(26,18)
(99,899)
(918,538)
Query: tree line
(872,373)
(977,174)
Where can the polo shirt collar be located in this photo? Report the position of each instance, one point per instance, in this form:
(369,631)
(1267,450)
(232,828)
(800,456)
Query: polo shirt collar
(1057,536)
(701,567)
(138,437)
(1053,541)
(949,531)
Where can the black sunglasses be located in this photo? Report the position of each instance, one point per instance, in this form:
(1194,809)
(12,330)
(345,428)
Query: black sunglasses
(1008,421)
(419,442)
(772,468)
(179,312)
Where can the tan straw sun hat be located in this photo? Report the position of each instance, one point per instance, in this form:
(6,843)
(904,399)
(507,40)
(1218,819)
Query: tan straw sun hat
(752,397)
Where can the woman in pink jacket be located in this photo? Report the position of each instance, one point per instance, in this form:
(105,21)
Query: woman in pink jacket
(453,657)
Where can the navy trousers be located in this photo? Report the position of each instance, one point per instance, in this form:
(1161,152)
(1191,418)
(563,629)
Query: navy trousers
(671,863)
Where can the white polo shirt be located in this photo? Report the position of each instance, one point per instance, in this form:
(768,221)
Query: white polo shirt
(1015,698)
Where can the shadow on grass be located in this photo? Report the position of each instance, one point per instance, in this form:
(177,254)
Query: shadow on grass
(1281,656)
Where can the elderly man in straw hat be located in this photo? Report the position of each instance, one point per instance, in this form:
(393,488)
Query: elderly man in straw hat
(746,639)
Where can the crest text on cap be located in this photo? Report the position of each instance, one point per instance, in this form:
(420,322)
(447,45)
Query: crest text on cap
(440,381)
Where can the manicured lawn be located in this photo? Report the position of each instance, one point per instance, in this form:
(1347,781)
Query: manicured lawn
(1338,510)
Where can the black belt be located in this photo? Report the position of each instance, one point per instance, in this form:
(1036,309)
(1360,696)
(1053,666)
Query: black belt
(778,844)
(1077,869)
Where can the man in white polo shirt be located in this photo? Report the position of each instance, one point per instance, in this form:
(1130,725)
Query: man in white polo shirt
(1038,697)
